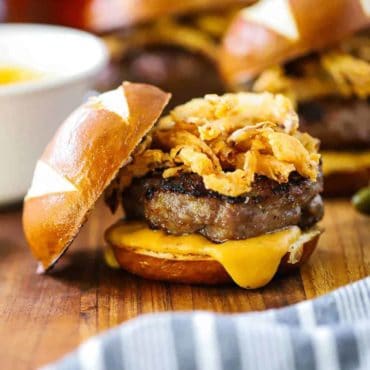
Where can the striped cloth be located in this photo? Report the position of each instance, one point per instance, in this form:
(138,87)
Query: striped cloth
(329,333)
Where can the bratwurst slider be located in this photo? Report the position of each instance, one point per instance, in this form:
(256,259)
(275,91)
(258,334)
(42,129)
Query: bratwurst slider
(224,188)
(317,53)
(175,46)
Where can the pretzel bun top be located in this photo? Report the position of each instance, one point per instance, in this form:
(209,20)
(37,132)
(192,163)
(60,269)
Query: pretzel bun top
(275,31)
(81,160)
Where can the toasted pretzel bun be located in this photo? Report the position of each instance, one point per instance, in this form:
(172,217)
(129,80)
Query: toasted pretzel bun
(275,31)
(104,15)
(80,162)
(344,184)
(196,269)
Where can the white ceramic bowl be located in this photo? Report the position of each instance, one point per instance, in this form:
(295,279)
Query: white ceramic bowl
(30,112)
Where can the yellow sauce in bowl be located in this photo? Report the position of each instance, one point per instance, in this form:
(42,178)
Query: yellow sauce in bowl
(11,75)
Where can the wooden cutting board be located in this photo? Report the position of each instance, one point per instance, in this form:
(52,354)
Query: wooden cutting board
(44,317)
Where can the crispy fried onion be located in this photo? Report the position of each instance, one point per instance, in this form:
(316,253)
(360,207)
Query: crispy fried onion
(344,71)
(227,140)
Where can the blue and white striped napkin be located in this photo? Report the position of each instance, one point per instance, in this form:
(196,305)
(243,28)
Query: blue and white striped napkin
(329,333)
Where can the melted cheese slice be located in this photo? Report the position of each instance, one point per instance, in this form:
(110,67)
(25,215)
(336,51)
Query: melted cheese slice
(333,162)
(251,263)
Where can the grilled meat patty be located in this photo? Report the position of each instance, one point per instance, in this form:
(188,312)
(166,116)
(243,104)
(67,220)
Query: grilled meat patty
(185,74)
(182,205)
(338,123)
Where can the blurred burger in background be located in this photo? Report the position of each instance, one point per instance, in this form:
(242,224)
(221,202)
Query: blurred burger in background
(318,54)
(171,44)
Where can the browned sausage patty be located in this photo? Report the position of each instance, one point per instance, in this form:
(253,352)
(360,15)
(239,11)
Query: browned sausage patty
(338,123)
(182,205)
(186,75)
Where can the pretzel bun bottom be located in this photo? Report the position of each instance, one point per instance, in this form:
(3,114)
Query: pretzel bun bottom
(346,183)
(192,269)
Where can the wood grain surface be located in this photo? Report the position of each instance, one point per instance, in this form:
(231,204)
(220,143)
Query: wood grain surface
(44,317)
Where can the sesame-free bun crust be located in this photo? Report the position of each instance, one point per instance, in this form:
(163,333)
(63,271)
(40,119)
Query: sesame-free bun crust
(273,32)
(346,183)
(81,160)
(194,269)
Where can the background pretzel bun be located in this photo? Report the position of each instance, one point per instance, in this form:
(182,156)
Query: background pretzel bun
(106,15)
(275,31)
(80,162)
(195,269)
